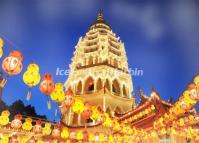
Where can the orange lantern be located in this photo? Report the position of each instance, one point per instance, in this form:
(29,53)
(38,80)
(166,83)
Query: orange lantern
(193,92)
(12,64)
(68,98)
(47,86)
(87,111)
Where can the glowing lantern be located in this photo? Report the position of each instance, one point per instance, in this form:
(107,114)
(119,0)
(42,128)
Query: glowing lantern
(37,128)
(31,77)
(46,129)
(101,137)
(4,118)
(56,131)
(87,110)
(192,88)
(64,133)
(68,97)
(16,123)
(32,140)
(1,47)
(40,141)
(47,87)
(12,64)
(91,137)
(27,125)
(85,136)
(4,139)
(181,122)
(78,106)
(107,120)
(13,139)
(57,94)
(95,113)
(79,135)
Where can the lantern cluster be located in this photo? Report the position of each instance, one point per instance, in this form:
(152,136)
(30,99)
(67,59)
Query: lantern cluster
(31,77)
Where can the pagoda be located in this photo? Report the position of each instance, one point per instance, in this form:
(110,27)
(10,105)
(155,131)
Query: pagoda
(99,72)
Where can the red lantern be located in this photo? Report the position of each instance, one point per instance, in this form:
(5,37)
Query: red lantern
(16,123)
(37,128)
(56,131)
(13,139)
(85,136)
(68,98)
(47,86)
(87,112)
(32,140)
(12,64)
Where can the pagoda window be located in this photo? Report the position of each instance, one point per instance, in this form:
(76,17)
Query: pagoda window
(90,61)
(107,85)
(124,91)
(116,87)
(115,63)
(75,119)
(89,85)
(96,60)
(79,87)
(99,84)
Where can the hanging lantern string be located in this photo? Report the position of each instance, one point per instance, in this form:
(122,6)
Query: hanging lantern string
(12,44)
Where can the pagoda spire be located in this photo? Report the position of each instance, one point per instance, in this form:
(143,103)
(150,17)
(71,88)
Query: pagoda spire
(100,16)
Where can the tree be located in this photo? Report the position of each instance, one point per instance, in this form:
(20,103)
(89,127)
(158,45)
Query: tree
(18,107)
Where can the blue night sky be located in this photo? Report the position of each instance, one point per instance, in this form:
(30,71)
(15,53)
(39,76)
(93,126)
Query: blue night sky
(161,38)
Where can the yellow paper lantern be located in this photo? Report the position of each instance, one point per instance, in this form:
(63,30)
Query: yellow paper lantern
(4,139)
(95,113)
(79,135)
(27,125)
(46,129)
(78,106)
(31,77)
(58,94)
(4,118)
(64,133)
(91,137)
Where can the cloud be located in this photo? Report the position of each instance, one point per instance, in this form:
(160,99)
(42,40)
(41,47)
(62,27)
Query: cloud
(52,10)
(146,16)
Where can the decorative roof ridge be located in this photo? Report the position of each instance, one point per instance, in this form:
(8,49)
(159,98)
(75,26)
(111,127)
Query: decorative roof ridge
(143,97)
(156,95)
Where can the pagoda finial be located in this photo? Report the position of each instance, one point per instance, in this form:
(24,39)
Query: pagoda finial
(100,16)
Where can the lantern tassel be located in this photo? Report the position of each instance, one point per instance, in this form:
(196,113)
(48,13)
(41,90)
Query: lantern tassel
(3,82)
(49,104)
(56,112)
(28,96)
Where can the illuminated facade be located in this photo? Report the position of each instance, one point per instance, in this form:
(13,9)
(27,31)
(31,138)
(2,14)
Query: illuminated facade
(99,71)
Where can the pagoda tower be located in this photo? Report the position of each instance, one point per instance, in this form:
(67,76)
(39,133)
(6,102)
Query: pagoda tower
(99,72)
